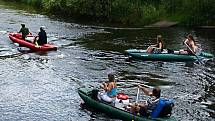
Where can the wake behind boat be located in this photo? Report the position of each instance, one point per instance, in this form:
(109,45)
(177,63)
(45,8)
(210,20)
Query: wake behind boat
(166,55)
(17,38)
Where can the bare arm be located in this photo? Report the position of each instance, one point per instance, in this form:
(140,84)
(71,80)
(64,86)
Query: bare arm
(153,45)
(160,45)
(192,46)
(145,90)
(20,30)
(186,41)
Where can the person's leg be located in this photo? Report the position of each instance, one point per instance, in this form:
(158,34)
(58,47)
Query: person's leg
(136,108)
(35,40)
(185,52)
(99,95)
(149,49)
(106,98)
(39,42)
(131,108)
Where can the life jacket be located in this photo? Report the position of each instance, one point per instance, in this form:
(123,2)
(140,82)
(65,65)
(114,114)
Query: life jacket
(163,108)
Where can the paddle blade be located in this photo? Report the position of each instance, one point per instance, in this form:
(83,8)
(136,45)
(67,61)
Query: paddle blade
(138,91)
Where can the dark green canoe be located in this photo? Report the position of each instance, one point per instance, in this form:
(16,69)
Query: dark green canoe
(165,56)
(85,94)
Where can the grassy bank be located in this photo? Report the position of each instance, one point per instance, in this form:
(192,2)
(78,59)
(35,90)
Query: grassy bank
(133,12)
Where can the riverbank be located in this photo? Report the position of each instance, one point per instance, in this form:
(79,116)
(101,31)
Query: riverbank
(132,13)
(163,24)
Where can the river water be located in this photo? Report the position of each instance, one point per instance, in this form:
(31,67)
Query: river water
(43,86)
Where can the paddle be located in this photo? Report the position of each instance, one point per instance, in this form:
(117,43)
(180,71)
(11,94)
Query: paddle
(138,91)
(193,53)
(132,84)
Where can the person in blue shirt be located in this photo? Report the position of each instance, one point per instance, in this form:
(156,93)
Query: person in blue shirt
(110,89)
(42,37)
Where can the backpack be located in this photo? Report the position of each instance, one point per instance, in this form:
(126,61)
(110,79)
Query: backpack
(166,111)
(163,108)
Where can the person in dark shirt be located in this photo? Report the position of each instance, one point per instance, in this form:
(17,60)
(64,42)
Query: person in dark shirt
(42,37)
(158,47)
(24,31)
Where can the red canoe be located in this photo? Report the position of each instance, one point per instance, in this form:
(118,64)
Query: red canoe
(17,38)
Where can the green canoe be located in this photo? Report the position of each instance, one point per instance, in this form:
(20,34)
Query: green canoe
(85,94)
(166,56)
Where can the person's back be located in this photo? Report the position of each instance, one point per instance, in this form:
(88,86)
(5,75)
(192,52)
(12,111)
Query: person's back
(42,37)
(24,31)
(110,89)
(113,91)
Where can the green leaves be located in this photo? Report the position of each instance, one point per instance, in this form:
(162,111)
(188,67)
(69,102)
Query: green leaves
(134,12)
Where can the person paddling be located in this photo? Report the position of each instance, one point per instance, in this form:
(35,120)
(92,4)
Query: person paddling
(24,31)
(192,49)
(42,37)
(158,47)
(146,108)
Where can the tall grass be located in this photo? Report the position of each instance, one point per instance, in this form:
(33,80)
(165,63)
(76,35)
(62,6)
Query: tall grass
(134,12)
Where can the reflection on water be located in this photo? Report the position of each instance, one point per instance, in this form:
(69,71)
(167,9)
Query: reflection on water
(43,86)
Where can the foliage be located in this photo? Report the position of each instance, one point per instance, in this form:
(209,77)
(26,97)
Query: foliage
(134,12)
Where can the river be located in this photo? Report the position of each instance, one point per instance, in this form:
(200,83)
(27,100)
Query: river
(43,86)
